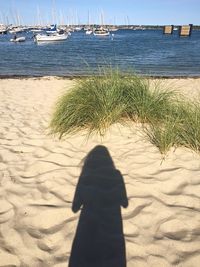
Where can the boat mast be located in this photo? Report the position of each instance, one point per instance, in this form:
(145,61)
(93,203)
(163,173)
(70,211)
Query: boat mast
(1,18)
(61,18)
(77,19)
(39,20)
(53,12)
(88,18)
(128,21)
(101,18)
(18,18)
(114,21)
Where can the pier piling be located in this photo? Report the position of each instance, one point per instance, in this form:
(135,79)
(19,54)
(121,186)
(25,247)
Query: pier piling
(168,29)
(185,30)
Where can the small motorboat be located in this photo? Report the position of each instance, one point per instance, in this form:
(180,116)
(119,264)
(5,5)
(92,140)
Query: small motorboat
(18,39)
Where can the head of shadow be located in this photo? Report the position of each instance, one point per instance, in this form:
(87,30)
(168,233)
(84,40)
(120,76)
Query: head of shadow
(100,193)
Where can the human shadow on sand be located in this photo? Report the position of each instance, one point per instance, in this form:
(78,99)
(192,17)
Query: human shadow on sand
(99,239)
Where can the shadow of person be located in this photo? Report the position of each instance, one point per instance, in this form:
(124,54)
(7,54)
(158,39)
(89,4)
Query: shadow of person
(99,239)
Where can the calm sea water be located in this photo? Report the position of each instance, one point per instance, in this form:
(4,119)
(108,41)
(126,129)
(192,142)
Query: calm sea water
(146,52)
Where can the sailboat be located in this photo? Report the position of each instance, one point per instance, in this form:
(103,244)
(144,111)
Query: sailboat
(88,29)
(77,27)
(38,27)
(113,28)
(101,31)
(52,34)
(17,28)
(3,29)
(49,38)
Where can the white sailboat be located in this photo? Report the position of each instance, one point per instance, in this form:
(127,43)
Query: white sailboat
(51,37)
(36,30)
(17,27)
(38,22)
(88,29)
(78,28)
(101,31)
(3,29)
(113,28)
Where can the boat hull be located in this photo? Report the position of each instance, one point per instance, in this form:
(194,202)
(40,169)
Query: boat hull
(102,34)
(3,31)
(88,32)
(50,38)
(18,40)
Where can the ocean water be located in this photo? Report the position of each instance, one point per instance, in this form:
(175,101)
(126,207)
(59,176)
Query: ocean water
(147,52)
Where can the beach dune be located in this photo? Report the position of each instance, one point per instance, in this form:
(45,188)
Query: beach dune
(39,175)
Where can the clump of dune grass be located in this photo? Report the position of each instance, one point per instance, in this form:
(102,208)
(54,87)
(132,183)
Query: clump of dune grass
(146,104)
(189,131)
(163,135)
(96,103)
(93,105)
(180,128)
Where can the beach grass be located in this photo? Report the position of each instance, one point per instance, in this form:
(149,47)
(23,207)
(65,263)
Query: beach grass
(97,102)
(148,102)
(180,128)
(166,133)
(189,130)
(93,105)
(163,135)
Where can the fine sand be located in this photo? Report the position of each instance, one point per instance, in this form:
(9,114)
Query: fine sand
(39,174)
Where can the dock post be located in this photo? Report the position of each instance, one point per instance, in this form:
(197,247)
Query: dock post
(185,30)
(168,29)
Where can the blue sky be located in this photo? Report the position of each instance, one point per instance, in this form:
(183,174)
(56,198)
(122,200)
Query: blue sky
(157,12)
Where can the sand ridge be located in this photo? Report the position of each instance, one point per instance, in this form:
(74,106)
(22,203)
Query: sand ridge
(39,174)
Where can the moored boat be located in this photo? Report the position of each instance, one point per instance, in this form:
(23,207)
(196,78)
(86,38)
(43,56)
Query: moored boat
(50,38)
(101,32)
(18,39)
(89,31)
(3,29)
(77,29)
(113,29)
(18,29)
(36,30)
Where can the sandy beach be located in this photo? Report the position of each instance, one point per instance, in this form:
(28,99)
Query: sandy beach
(39,174)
